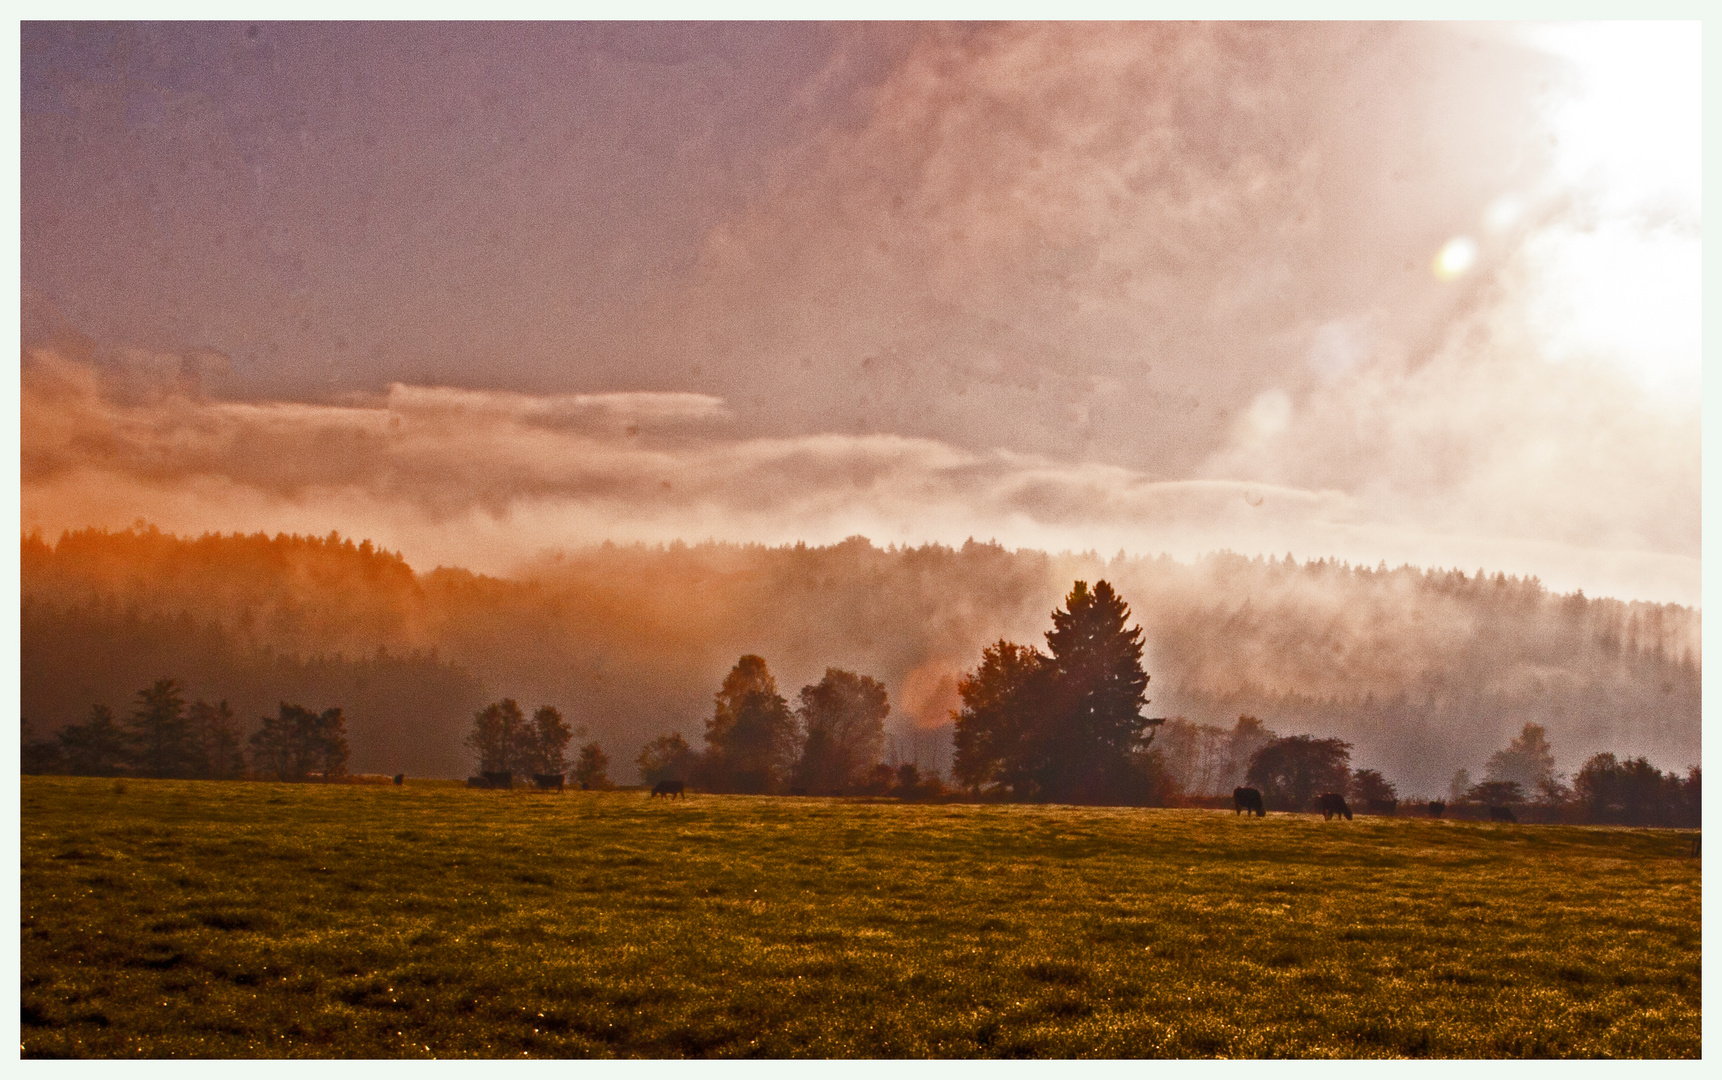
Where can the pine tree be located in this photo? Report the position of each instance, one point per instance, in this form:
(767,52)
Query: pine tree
(96,747)
(1098,690)
(158,731)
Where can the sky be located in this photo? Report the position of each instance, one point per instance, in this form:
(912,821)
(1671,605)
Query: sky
(1422,293)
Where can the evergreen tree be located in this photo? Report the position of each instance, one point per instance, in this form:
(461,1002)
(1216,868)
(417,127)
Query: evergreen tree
(96,747)
(1527,761)
(158,731)
(1098,690)
(751,739)
(214,737)
(297,742)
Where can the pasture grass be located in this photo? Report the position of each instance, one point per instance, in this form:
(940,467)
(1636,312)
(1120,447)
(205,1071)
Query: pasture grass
(209,919)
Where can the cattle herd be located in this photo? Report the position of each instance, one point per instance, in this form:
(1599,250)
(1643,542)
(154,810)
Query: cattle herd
(1248,800)
(1245,800)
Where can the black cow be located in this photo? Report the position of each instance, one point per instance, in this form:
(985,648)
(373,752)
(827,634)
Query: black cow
(1436,809)
(547,781)
(1331,803)
(400,778)
(477,782)
(669,789)
(1502,813)
(1247,800)
(501,781)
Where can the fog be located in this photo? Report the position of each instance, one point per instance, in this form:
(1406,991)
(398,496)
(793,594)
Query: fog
(1424,671)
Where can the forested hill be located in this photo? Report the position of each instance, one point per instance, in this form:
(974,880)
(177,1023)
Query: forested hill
(1424,671)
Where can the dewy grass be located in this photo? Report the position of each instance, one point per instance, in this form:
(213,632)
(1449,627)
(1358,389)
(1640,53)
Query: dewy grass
(167,919)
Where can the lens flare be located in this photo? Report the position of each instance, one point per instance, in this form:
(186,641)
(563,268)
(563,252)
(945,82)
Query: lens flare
(1456,257)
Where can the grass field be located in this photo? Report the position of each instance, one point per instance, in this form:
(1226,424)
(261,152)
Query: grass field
(164,918)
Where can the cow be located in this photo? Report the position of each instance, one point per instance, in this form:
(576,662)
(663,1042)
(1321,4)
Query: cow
(1436,809)
(501,781)
(477,782)
(547,781)
(400,778)
(1247,800)
(669,789)
(1385,807)
(1502,813)
(1331,803)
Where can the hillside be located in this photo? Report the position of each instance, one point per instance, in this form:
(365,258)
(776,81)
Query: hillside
(1424,671)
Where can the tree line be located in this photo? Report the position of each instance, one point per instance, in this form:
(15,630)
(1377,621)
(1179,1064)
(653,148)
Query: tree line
(504,741)
(1410,666)
(164,736)
(829,743)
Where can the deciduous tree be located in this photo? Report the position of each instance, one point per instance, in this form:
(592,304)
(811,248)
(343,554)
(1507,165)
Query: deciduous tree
(751,738)
(498,731)
(667,757)
(843,720)
(592,771)
(1291,771)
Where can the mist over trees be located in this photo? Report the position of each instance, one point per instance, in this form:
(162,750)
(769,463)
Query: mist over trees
(1065,726)
(1423,672)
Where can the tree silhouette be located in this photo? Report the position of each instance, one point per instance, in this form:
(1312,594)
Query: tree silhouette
(497,733)
(667,757)
(1369,786)
(157,731)
(996,729)
(296,742)
(1098,690)
(550,738)
(1496,793)
(96,747)
(751,737)
(1290,772)
(1527,761)
(843,717)
(214,737)
(592,771)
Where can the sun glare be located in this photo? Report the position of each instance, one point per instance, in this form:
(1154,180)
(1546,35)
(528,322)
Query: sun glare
(1456,256)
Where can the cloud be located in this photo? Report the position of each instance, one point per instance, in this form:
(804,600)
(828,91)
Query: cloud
(489,479)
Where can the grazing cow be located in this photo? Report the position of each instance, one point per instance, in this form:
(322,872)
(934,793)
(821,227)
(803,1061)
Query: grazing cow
(1247,800)
(669,789)
(1387,807)
(1331,803)
(1502,813)
(1436,809)
(501,781)
(547,781)
(400,778)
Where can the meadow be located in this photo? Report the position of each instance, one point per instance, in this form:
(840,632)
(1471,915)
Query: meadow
(215,919)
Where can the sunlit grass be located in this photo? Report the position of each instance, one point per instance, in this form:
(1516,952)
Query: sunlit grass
(201,918)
